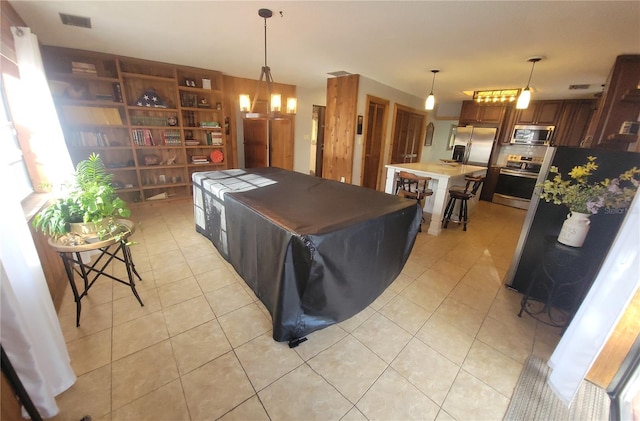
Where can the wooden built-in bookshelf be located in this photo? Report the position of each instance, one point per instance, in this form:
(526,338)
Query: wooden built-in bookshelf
(104,107)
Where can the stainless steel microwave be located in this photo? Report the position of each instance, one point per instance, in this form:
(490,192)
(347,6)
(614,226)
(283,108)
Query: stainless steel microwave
(532,135)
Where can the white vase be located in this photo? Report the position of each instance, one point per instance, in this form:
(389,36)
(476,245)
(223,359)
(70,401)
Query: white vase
(574,229)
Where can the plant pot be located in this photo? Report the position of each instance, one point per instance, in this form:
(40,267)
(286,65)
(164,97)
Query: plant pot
(88,230)
(574,229)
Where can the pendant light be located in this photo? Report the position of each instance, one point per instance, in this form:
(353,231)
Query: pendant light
(274,108)
(525,95)
(431,99)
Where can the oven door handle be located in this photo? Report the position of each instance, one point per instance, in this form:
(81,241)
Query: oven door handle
(518,174)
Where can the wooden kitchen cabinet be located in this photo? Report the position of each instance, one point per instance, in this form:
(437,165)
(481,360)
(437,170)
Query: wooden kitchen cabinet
(620,102)
(474,113)
(540,113)
(573,122)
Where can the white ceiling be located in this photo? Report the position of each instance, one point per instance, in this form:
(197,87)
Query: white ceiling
(475,44)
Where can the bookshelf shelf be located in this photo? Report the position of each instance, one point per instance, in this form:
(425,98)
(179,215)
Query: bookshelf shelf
(143,147)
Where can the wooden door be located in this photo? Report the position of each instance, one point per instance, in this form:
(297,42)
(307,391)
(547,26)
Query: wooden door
(407,134)
(255,143)
(280,148)
(374,140)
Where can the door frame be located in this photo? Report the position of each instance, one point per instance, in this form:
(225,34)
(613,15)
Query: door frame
(380,180)
(319,132)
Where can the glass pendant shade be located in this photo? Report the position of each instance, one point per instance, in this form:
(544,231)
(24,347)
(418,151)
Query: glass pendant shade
(292,105)
(523,99)
(431,100)
(430,103)
(245,103)
(276,103)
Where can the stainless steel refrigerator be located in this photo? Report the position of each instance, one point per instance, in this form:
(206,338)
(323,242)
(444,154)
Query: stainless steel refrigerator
(473,145)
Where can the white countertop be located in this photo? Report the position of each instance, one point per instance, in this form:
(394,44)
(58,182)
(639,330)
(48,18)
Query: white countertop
(438,169)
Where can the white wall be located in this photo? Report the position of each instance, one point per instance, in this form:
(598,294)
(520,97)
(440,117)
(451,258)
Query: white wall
(371,87)
(442,117)
(307,98)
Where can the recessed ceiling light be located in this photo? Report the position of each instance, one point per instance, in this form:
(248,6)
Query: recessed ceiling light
(74,20)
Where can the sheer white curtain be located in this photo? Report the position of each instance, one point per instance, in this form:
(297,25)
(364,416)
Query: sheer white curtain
(600,311)
(32,108)
(30,332)
(29,329)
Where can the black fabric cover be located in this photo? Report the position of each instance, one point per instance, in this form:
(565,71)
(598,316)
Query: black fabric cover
(315,251)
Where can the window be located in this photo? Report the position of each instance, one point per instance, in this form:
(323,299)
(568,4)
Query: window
(11,153)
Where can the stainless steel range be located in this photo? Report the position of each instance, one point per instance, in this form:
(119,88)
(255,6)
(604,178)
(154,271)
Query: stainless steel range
(517,180)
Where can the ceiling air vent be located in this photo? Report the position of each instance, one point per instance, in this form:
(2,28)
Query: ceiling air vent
(340,73)
(73,20)
(575,87)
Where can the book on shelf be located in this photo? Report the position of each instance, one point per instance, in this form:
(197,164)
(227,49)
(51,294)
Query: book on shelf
(107,116)
(214,138)
(142,137)
(117,92)
(80,67)
(199,159)
(88,139)
(171,137)
(104,97)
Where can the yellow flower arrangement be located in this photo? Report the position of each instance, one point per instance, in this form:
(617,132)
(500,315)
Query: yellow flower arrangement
(584,197)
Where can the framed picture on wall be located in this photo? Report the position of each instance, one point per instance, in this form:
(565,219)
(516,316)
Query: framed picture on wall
(452,136)
(428,139)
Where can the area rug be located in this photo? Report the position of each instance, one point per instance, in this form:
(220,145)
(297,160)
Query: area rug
(533,399)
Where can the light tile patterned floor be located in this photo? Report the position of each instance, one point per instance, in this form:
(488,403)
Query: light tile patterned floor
(443,342)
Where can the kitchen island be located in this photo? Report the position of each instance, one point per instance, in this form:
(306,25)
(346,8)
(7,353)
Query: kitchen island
(443,176)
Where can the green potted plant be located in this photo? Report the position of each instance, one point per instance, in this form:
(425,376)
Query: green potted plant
(90,201)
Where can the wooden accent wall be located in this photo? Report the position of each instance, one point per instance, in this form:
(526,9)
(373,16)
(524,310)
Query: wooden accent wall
(618,345)
(233,87)
(52,267)
(7,48)
(340,127)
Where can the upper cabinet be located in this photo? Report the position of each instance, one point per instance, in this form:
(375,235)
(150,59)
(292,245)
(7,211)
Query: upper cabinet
(620,103)
(474,113)
(539,113)
(573,122)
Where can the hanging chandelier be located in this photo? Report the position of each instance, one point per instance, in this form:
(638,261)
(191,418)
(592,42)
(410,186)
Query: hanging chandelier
(274,107)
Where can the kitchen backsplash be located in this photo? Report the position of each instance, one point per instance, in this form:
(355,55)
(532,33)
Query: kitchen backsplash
(524,150)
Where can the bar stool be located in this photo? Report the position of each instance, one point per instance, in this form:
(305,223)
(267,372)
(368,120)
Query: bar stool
(414,187)
(457,193)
